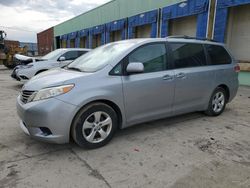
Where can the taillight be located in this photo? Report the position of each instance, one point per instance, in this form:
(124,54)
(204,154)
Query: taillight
(237,68)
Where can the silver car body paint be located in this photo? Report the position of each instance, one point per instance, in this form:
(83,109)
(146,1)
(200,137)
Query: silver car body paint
(139,97)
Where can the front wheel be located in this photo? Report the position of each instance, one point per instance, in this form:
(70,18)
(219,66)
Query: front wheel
(217,102)
(94,126)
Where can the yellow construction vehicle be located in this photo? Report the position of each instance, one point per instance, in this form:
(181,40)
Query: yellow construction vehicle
(2,48)
(8,49)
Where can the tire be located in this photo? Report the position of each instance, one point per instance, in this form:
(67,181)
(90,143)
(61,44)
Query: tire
(217,102)
(94,126)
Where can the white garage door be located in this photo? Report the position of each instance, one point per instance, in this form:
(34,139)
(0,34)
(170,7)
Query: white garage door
(183,26)
(238,32)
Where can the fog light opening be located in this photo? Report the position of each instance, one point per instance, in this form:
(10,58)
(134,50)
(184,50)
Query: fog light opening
(46,131)
(24,77)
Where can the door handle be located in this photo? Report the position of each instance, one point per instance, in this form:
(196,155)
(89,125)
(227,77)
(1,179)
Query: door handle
(167,77)
(180,75)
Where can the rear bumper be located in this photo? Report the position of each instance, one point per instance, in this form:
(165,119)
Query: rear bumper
(233,90)
(51,114)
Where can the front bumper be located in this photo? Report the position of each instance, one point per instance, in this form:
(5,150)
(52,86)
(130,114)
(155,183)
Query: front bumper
(14,75)
(50,114)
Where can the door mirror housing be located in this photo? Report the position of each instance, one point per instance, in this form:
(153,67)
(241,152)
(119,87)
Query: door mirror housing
(135,67)
(62,58)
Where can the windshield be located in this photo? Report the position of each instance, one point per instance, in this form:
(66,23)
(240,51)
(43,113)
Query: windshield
(100,57)
(53,55)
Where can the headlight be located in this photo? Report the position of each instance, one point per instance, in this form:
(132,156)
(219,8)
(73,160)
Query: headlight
(51,92)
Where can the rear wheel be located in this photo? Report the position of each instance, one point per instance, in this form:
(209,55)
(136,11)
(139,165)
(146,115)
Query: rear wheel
(217,102)
(94,126)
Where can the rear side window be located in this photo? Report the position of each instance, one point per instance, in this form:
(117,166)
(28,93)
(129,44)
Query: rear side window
(188,55)
(153,57)
(218,55)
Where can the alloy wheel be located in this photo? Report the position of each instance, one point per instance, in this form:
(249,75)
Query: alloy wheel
(218,102)
(97,127)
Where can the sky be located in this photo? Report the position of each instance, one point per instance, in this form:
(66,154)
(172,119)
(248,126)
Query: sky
(23,19)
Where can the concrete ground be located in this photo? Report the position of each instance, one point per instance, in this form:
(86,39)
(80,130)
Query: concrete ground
(189,151)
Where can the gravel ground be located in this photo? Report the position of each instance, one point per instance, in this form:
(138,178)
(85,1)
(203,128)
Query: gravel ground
(188,151)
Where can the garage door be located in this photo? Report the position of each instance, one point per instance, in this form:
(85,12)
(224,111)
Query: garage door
(115,36)
(72,43)
(238,32)
(143,31)
(96,41)
(183,26)
(63,43)
(83,42)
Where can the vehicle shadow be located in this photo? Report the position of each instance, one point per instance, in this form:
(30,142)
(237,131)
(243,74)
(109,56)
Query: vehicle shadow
(18,86)
(158,124)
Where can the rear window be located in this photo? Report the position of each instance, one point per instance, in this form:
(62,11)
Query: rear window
(218,55)
(188,55)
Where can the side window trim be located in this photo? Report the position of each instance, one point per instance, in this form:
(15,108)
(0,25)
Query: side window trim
(142,46)
(125,61)
(172,56)
(209,57)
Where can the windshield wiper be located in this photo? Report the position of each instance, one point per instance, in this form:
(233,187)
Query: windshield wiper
(74,68)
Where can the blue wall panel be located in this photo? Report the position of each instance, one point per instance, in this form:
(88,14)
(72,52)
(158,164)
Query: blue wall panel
(118,25)
(187,8)
(221,17)
(80,34)
(231,3)
(71,36)
(64,37)
(143,19)
(201,29)
(100,29)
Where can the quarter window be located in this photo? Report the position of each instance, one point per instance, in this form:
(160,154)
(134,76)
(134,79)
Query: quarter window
(153,57)
(188,55)
(218,55)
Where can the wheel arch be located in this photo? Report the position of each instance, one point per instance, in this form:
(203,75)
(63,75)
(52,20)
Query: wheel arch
(113,105)
(42,70)
(226,88)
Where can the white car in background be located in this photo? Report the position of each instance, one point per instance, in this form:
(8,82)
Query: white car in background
(57,58)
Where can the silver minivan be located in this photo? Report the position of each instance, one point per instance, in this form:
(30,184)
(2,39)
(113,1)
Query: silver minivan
(126,83)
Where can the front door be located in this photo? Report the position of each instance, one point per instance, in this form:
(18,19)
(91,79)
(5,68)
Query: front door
(149,95)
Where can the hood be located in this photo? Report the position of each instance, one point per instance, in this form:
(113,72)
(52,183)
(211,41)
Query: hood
(53,77)
(23,57)
(24,60)
(40,63)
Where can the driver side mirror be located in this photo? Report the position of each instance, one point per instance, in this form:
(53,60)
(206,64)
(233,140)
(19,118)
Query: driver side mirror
(135,67)
(62,58)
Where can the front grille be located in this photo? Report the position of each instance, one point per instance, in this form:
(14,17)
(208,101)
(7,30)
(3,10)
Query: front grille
(25,95)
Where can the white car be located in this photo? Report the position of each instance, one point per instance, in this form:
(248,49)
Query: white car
(57,58)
